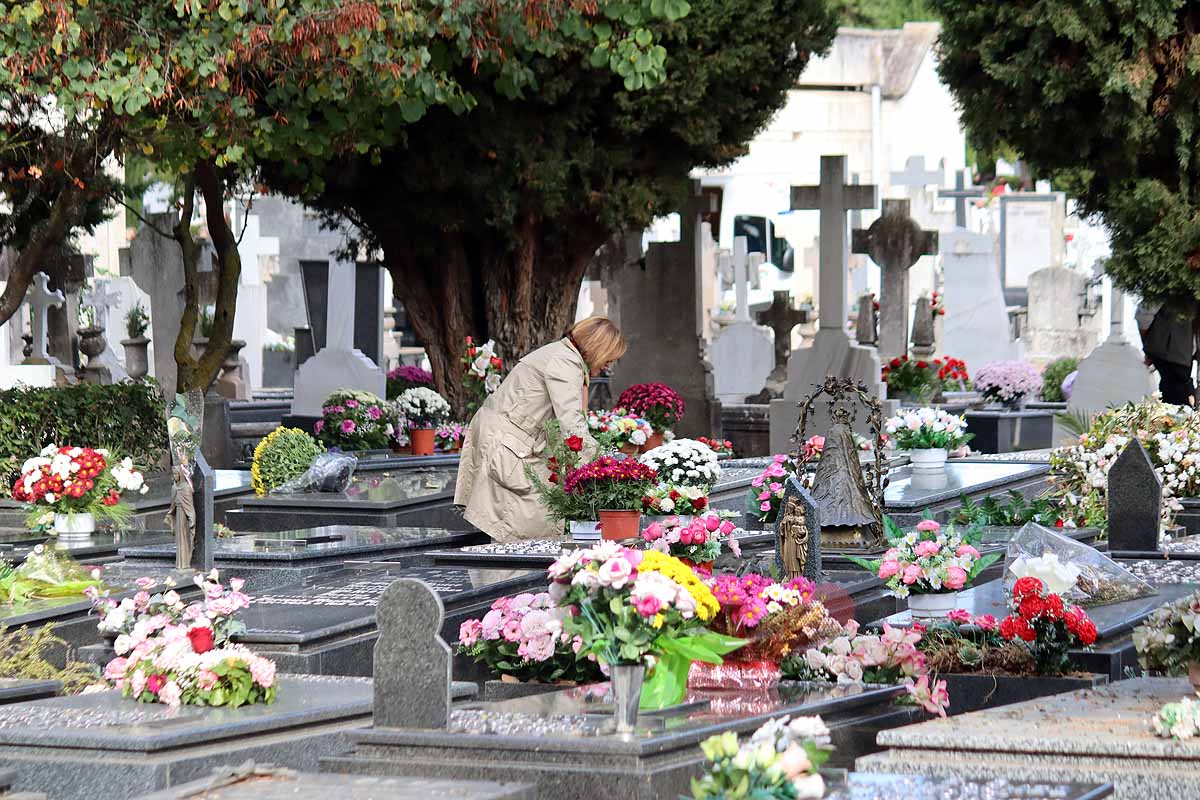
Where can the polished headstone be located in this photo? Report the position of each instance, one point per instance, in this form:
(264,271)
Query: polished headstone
(867,786)
(264,783)
(203,487)
(962,477)
(1134,496)
(412,662)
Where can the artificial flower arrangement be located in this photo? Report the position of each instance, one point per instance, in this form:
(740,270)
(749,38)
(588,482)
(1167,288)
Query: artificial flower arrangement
(45,573)
(928,560)
(923,380)
(683,501)
(684,462)
(1008,382)
(282,455)
(354,420)
(1179,720)
(765,496)
(779,762)
(1046,625)
(64,481)
(522,638)
(177,653)
(696,541)
(891,657)
(937,305)
(449,437)
(926,429)
(619,430)
(403,378)
(483,372)
(722,447)
(656,402)
(1168,641)
(627,605)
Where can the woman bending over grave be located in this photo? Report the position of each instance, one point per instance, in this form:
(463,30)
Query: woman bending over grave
(507,433)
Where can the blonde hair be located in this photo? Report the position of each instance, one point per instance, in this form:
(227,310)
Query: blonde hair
(600,342)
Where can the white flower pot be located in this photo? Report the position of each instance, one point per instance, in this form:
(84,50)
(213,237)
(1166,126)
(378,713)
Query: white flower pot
(928,462)
(586,530)
(932,606)
(74,528)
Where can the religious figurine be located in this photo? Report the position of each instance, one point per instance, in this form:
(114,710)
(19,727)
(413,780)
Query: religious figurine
(793,538)
(183,436)
(851,513)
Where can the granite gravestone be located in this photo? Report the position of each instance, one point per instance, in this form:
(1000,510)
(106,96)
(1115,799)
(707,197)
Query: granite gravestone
(741,353)
(798,533)
(412,663)
(866,330)
(203,484)
(923,334)
(1134,498)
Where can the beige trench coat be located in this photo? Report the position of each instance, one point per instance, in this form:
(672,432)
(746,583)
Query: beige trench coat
(508,433)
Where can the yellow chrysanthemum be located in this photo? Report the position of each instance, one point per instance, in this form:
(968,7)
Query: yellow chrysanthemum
(706,604)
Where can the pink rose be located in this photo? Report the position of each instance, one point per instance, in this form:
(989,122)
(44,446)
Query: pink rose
(374,412)
(145,583)
(766,506)
(685,536)
(926,549)
(615,573)
(207,679)
(170,693)
(115,669)
(912,574)
(318,426)
(727,527)
(959,616)
(928,525)
(776,487)
(263,671)
(966,550)
(712,522)
(647,606)
(141,600)
(888,568)
(987,622)
(351,404)
(956,578)
(348,426)
(759,481)
(653,532)
(764,495)
(699,537)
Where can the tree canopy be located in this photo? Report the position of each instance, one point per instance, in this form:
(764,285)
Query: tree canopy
(1104,98)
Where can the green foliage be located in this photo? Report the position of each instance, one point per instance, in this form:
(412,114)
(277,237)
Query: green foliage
(206,322)
(125,418)
(1054,374)
(885,13)
(34,654)
(283,454)
(1017,511)
(136,322)
(560,461)
(1102,97)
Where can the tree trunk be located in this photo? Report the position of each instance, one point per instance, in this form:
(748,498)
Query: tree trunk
(38,250)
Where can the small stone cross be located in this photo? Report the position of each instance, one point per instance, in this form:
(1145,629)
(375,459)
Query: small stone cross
(915,176)
(102,299)
(781,317)
(895,242)
(961,193)
(40,299)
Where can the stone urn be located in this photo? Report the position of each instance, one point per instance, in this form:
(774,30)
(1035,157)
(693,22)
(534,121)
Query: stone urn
(137,357)
(92,341)
(233,357)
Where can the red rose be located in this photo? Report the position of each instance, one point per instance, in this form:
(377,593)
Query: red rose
(574,443)
(1031,607)
(201,638)
(554,477)
(1027,587)
(895,362)
(1058,523)
(469,340)
(921,365)
(700,503)
(1053,607)
(674,495)
(497,363)
(1008,628)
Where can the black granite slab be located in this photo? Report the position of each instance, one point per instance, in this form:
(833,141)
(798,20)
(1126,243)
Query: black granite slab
(906,497)
(275,784)
(100,547)
(1010,431)
(20,690)
(882,786)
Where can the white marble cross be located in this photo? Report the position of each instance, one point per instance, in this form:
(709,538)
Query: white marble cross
(833,197)
(915,176)
(40,299)
(102,300)
(961,193)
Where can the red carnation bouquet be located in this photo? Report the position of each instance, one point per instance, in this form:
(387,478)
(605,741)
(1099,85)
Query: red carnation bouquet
(1046,625)
(64,481)
(656,402)
(610,484)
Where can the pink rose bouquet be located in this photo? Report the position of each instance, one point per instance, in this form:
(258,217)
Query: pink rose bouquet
(353,420)
(928,560)
(696,540)
(765,497)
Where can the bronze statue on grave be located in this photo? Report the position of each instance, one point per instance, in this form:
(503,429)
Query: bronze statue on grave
(793,537)
(851,512)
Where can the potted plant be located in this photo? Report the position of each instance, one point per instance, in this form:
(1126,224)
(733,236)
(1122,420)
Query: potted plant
(695,541)
(353,420)
(626,605)
(928,566)
(91,336)
(1008,383)
(407,377)
(1047,626)
(928,434)
(614,488)
(912,380)
(425,410)
(658,403)
(619,430)
(684,462)
(780,760)
(77,485)
(1169,640)
(283,454)
(1052,379)
(449,437)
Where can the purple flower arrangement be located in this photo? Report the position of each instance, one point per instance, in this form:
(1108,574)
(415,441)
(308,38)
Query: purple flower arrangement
(1008,381)
(355,421)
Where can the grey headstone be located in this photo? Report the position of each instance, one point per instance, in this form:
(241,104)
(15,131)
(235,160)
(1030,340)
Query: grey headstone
(203,486)
(368,310)
(798,530)
(1134,501)
(315,277)
(412,663)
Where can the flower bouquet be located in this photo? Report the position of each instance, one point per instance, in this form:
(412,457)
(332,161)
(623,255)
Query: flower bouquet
(684,501)
(684,462)
(425,410)
(1046,625)
(722,447)
(912,379)
(765,497)
(696,542)
(779,762)
(1008,382)
(613,488)
(656,402)
(449,437)
(283,455)
(46,573)
(483,372)
(76,485)
(353,420)
(1179,720)
(523,638)
(928,566)
(403,378)
(631,604)
(619,430)
(928,434)
(1169,640)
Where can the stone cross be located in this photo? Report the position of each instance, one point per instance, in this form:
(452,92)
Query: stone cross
(833,197)
(203,486)
(895,242)
(40,299)
(741,275)
(781,317)
(412,663)
(102,300)
(915,176)
(1134,497)
(961,193)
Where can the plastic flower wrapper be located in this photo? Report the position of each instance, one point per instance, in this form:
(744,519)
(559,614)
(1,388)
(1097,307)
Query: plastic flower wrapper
(46,573)
(1169,640)
(1100,580)
(329,472)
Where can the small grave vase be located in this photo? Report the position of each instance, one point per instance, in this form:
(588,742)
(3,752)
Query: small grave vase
(585,530)
(932,606)
(74,528)
(422,441)
(655,440)
(928,462)
(92,342)
(620,525)
(1194,674)
(137,357)
(1014,404)
(626,682)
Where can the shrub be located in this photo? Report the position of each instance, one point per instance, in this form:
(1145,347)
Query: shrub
(34,654)
(1054,375)
(283,454)
(126,418)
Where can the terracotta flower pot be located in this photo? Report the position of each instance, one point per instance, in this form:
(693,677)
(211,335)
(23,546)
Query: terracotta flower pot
(619,525)
(629,449)
(422,441)
(655,440)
